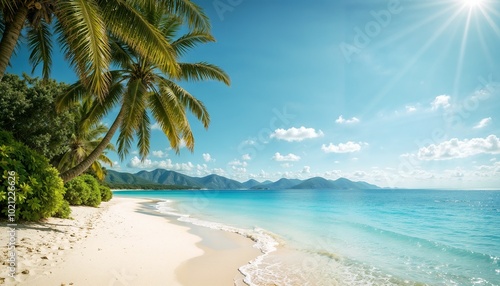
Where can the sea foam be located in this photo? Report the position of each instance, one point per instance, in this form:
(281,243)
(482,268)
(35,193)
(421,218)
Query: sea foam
(262,239)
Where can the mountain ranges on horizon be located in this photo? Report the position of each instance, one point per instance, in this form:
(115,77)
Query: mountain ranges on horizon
(172,179)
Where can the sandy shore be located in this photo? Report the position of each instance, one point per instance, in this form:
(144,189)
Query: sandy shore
(123,242)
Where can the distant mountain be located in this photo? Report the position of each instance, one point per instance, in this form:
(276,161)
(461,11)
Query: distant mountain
(115,177)
(282,183)
(314,183)
(165,177)
(216,182)
(250,183)
(160,177)
(339,184)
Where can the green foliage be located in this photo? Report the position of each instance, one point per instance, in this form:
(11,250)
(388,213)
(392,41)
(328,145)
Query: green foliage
(87,136)
(83,190)
(106,193)
(27,109)
(77,192)
(94,199)
(38,188)
(64,211)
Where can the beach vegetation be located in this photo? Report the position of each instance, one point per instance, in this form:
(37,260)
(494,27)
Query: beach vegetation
(141,89)
(27,110)
(64,210)
(106,194)
(83,191)
(85,138)
(36,191)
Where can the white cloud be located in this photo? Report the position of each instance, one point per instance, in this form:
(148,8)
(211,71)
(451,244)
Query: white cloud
(441,101)
(246,157)
(286,165)
(182,143)
(347,147)
(410,108)
(285,158)
(238,163)
(341,120)
(219,171)
(296,134)
(483,123)
(306,170)
(155,126)
(456,148)
(249,142)
(159,154)
(149,164)
(207,157)
(239,170)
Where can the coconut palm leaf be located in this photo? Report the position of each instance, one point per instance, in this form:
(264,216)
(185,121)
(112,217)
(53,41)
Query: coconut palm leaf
(140,35)
(85,42)
(40,44)
(143,135)
(135,106)
(203,71)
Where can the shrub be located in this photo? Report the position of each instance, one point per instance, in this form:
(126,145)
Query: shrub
(64,211)
(83,190)
(106,193)
(38,188)
(77,192)
(94,199)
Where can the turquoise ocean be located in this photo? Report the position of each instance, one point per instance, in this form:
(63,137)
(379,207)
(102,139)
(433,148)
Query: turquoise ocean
(352,237)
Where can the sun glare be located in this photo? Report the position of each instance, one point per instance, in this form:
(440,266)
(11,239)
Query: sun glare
(472,3)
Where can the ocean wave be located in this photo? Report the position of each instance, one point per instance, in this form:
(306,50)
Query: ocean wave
(263,240)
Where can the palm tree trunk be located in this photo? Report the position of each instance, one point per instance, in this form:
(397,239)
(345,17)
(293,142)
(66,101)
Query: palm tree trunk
(87,162)
(10,37)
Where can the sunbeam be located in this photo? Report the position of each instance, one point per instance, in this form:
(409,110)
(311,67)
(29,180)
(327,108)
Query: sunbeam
(462,53)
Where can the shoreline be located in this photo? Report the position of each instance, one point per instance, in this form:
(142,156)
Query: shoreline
(125,242)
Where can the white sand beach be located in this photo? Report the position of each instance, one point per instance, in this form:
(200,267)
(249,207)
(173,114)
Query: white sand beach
(124,243)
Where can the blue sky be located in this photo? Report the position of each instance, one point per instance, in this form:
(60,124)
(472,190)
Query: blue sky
(395,93)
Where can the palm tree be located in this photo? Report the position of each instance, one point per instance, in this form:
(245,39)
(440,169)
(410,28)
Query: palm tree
(84,140)
(83,27)
(141,89)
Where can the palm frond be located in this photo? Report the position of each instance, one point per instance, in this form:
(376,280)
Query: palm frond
(168,113)
(192,13)
(97,169)
(194,105)
(98,110)
(190,40)
(121,54)
(144,134)
(73,94)
(84,39)
(103,158)
(40,44)
(203,71)
(169,25)
(135,104)
(131,27)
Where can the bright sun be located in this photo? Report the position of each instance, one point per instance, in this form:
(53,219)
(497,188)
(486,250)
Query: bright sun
(473,3)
